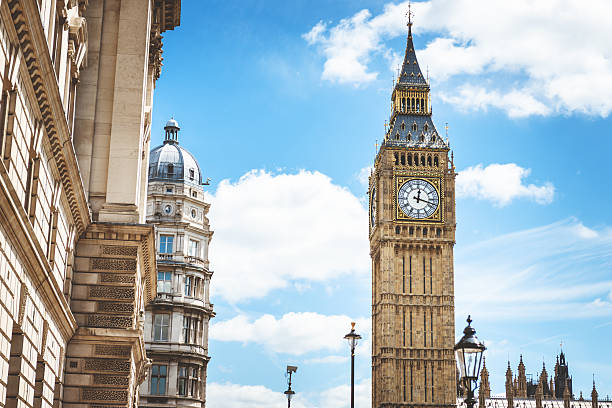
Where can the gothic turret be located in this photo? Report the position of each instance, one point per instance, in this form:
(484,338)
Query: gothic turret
(594,397)
(485,388)
(562,377)
(509,386)
(410,124)
(521,389)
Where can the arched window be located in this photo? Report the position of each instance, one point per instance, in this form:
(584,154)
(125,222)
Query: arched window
(422,160)
(403,126)
(396,158)
(414,127)
(422,138)
(436,161)
(403,159)
(409,137)
(418,105)
(424,232)
(171,169)
(397,136)
(409,159)
(397,229)
(429,160)
(426,127)
(416,159)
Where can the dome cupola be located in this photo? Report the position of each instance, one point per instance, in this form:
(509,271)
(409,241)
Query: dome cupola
(171,162)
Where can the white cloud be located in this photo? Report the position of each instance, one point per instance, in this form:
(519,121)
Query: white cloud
(228,395)
(517,103)
(558,271)
(558,51)
(339,397)
(271,230)
(364,176)
(500,184)
(293,333)
(259,396)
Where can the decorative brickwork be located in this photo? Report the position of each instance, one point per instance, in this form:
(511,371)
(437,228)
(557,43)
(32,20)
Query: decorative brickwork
(113,264)
(112,350)
(122,322)
(110,292)
(101,394)
(110,379)
(117,278)
(116,307)
(119,250)
(107,364)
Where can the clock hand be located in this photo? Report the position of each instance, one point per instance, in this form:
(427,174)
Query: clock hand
(419,199)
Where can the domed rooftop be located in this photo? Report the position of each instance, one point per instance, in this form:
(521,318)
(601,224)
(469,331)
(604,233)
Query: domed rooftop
(170,162)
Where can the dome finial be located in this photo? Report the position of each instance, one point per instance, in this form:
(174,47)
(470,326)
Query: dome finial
(172,128)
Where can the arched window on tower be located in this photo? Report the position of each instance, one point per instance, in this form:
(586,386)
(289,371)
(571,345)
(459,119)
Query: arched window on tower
(403,126)
(422,160)
(418,105)
(416,159)
(429,160)
(396,158)
(409,159)
(426,128)
(436,161)
(397,136)
(414,127)
(170,170)
(409,137)
(403,159)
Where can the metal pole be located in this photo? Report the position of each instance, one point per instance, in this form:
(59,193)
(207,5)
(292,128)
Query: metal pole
(470,402)
(289,396)
(353,377)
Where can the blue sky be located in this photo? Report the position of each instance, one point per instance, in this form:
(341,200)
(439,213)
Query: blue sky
(282,103)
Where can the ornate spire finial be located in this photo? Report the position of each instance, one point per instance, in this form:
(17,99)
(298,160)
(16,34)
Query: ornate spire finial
(409,14)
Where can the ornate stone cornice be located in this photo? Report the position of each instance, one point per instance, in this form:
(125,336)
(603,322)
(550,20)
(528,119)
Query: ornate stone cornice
(27,24)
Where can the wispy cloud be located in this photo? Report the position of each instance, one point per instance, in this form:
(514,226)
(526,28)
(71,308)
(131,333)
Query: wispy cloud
(501,184)
(558,271)
(553,68)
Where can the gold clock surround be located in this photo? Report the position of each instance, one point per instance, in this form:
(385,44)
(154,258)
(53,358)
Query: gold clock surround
(400,179)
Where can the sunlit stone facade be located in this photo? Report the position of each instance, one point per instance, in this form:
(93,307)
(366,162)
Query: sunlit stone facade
(176,325)
(77,261)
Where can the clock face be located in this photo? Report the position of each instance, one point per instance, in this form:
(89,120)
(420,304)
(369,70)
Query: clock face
(418,199)
(373,208)
(168,209)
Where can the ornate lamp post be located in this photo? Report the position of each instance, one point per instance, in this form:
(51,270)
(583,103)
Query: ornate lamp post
(468,352)
(352,338)
(290,393)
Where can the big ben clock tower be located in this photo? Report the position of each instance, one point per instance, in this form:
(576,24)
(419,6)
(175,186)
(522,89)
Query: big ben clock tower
(412,234)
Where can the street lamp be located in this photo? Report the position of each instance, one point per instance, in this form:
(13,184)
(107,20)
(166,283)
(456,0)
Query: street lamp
(352,338)
(290,393)
(468,352)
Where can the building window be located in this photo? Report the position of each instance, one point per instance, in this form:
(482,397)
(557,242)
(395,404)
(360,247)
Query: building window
(166,243)
(188,380)
(186,329)
(168,189)
(164,282)
(193,247)
(170,170)
(188,285)
(161,324)
(158,379)
(182,380)
(193,381)
(191,174)
(194,194)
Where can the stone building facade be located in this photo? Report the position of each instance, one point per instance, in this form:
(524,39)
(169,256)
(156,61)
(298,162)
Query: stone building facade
(176,324)
(77,260)
(412,235)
